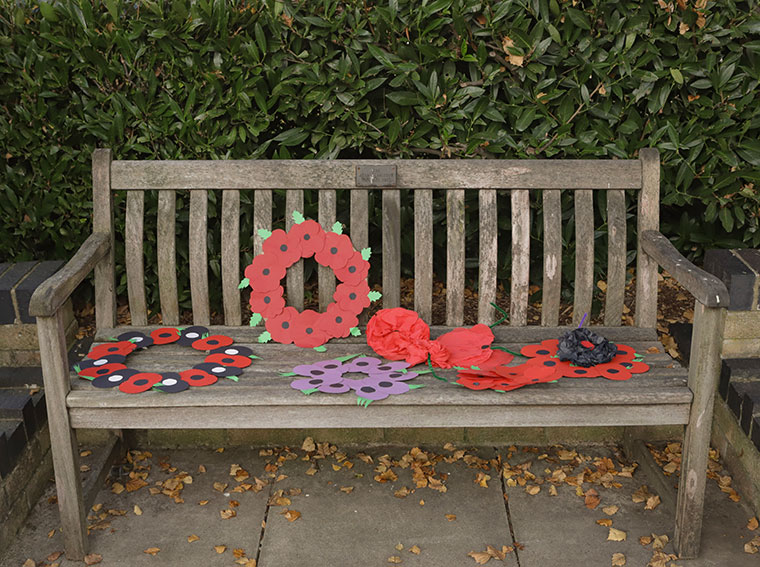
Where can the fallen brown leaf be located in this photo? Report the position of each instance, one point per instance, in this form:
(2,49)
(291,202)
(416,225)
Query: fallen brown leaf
(752,546)
(220,486)
(201,469)
(220,549)
(399,546)
(402,492)
(591,499)
(192,538)
(652,502)
(480,557)
(202,502)
(414,549)
(308,445)
(616,535)
(238,553)
(394,559)
(618,560)
(610,510)
(552,490)
(752,524)
(137,510)
(482,479)
(312,471)
(451,517)
(653,350)
(645,540)
(227,514)
(347,489)
(532,489)
(29,563)
(85,453)
(659,542)
(53,556)
(641,494)
(117,488)
(93,559)
(291,515)
(51,533)
(606,522)
(422,502)
(152,551)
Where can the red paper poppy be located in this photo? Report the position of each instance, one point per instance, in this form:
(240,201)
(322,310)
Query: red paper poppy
(497,358)
(165,335)
(281,327)
(265,272)
(306,330)
(198,378)
(355,270)
(582,372)
(310,235)
(122,347)
(140,382)
(228,360)
(352,298)
(476,383)
(336,251)
(545,348)
(545,369)
(267,303)
(612,371)
(211,342)
(336,322)
(634,367)
(103,370)
(624,352)
(467,347)
(283,246)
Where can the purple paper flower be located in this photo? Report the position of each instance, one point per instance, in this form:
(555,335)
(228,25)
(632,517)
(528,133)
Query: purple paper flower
(328,385)
(321,369)
(369,364)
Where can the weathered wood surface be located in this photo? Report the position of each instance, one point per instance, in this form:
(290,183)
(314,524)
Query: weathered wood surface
(488,253)
(648,219)
(54,291)
(294,278)
(411,174)
(231,257)
(391,248)
(262,217)
(584,255)
(133,255)
(167,257)
(454,257)
(55,372)
(102,221)
(423,254)
(552,283)
(325,274)
(198,256)
(705,287)
(704,370)
(616,258)
(105,456)
(518,313)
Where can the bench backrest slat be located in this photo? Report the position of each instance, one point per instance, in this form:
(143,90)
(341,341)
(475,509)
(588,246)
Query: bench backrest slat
(133,256)
(261,177)
(616,258)
(102,221)
(167,256)
(231,256)
(552,279)
(584,254)
(198,256)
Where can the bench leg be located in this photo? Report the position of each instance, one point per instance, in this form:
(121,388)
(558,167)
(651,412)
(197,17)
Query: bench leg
(55,370)
(704,369)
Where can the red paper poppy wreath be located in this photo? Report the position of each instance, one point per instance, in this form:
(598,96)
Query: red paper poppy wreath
(105,364)
(333,249)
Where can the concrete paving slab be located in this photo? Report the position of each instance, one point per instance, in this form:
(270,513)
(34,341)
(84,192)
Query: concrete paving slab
(363,527)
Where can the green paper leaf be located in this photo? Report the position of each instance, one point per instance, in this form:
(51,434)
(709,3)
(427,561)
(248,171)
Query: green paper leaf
(320,348)
(347,357)
(90,378)
(458,367)
(415,386)
(423,371)
(264,233)
(77,368)
(366,253)
(288,374)
(254,357)
(265,337)
(364,402)
(374,295)
(244,283)
(404,371)
(475,367)
(307,392)
(255,319)
(233,378)
(337,228)
(355,332)
(298,217)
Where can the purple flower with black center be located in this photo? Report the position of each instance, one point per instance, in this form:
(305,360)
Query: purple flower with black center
(370,365)
(329,385)
(372,389)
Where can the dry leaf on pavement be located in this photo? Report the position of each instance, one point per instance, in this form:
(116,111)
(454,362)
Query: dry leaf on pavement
(610,510)
(402,492)
(606,522)
(552,490)
(227,514)
(192,538)
(308,445)
(220,486)
(137,510)
(480,557)
(616,535)
(652,502)
(29,563)
(291,515)
(399,546)
(645,540)
(532,489)
(591,499)
(53,556)
(752,546)
(752,524)
(152,551)
(394,559)
(202,502)
(220,549)
(93,559)
(347,489)
(415,549)
(451,517)
(117,488)
(641,494)
(659,541)
(618,560)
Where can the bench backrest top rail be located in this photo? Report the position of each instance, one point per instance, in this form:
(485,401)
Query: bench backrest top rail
(409,174)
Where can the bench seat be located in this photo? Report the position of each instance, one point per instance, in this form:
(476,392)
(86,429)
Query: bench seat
(264,399)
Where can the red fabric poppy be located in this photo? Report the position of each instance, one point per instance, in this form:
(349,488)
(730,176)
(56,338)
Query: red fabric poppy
(355,270)
(281,326)
(267,303)
(544,348)
(122,347)
(336,251)
(164,336)
(474,383)
(353,298)
(399,334)
(306,330)
(624,352)
(265,272)
(140,382)
(634,367)
(103,370)
(228,360)
(283,246)
(310,235)
(547,369)
(496,358)
(211,342)
(467,347)
(198,378)
(612,371)
(337,322)
(582,372)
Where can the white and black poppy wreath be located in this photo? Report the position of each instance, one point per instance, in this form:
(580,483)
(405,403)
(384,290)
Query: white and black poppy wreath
(308,328)
(105,364)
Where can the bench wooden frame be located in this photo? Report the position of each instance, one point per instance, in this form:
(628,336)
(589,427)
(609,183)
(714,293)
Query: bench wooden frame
(665,395)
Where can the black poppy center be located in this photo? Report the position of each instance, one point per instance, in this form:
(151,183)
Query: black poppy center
(333,250)
(385,384)
(383,367)
(351,269)
(612,371)
(352,296)
(285,324)
(627,365)
(339,319)
(228,360)
(395,375)
(165,334)
(103,371)
(476,383)
(212,342)
(309,331)
(362,363)
(331,366)
(265,271)
(317,373)
(267,299)
(549,363)
(336,385)
(580,372)
(367,389)
(317,381)
(307,236)
(284,247)
(542,351)
(141,382)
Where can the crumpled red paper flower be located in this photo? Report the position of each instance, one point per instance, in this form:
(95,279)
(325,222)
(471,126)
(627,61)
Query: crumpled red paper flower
(400,334)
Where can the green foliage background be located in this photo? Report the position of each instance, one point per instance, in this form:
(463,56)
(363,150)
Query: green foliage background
(326,79)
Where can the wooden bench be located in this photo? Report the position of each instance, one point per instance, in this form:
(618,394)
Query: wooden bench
(667,394)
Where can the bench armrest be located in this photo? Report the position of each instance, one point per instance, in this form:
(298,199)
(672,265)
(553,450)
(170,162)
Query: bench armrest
(54,291)
(705,287)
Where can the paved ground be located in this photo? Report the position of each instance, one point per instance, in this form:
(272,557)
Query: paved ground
(383,506)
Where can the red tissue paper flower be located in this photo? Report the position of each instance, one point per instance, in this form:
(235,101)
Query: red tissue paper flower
(399,334)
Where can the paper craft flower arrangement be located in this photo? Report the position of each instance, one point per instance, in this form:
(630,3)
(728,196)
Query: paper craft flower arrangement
(104,364)
(329,376)
(333,249)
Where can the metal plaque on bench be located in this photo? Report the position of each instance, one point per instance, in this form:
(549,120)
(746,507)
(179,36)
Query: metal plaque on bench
(376,175)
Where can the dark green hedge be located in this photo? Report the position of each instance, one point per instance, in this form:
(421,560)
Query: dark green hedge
(326,79)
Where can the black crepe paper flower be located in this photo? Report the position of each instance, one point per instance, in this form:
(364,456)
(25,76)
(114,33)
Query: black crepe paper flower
(583,347)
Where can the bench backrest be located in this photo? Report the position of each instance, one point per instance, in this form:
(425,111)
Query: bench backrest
(583,177)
